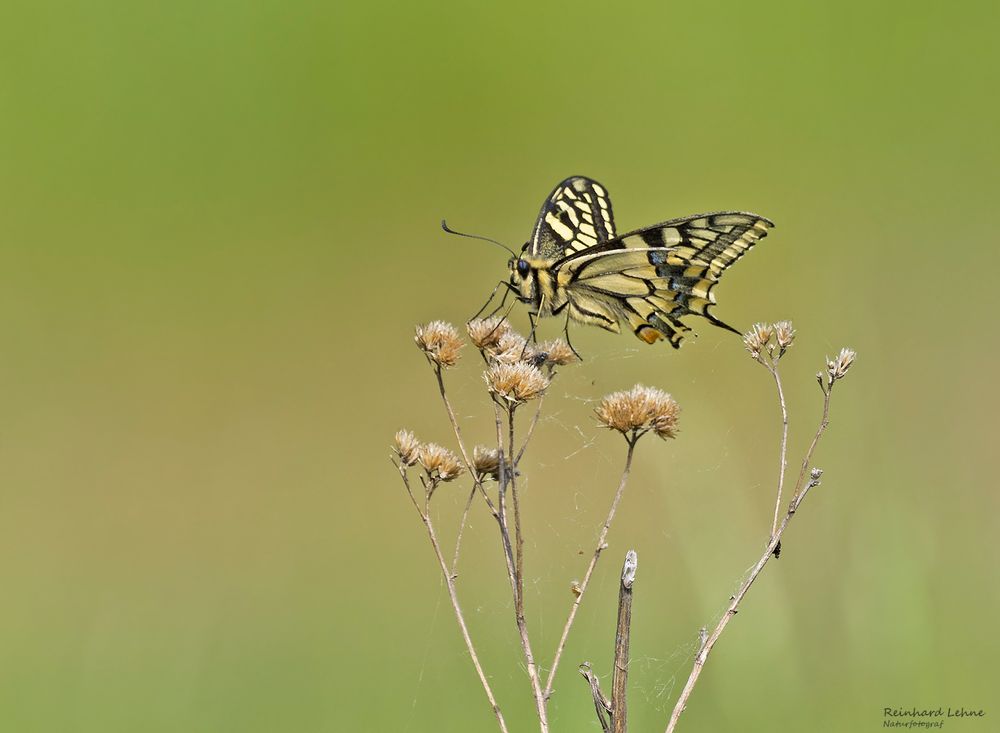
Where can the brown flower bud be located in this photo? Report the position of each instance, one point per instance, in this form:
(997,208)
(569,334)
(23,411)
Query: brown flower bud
(440,343)
(638,410)
(407,447)
(515,383)
(440,463)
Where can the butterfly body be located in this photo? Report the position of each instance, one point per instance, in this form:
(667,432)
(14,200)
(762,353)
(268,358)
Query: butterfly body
(576,264)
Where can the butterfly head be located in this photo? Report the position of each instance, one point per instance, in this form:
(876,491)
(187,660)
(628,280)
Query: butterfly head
(521,276)
(532,280)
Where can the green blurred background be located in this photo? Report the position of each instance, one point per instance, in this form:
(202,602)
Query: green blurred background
(218,226)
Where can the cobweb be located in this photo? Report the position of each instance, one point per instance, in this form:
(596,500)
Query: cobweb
(566,420)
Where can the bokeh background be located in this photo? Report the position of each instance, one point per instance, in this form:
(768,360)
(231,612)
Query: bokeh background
(218,227)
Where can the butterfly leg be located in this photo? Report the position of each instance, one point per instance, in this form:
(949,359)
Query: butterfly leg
(502,318)
(490,300)
(531,335)
(568,342)
(503,302)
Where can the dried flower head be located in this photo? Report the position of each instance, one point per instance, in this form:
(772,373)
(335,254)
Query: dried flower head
(486,462)
(557,353)
(757,338)
(512,348)
(784,334)
(837,368)
(440,343)
(485,333)
(515,383)
(440,463)
(638,410)
(407,447)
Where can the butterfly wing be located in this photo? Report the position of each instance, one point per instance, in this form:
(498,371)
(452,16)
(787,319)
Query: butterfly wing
(576,216)
(653,277)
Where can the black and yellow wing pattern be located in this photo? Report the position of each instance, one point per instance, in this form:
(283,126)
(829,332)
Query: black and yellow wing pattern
(577,215)
(653,277)
(649,279)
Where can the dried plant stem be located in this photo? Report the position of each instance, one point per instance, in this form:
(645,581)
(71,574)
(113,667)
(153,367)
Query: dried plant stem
(823,424)
(518,536)
(461,530)
(619,679)
(453,596)
(502,507)
(601,703)
(522,627)
(590,568)
(702,656)
(478,484)
(499,513)
(506,480)
(531,430)
(453,419)
(800,493)
(782,466)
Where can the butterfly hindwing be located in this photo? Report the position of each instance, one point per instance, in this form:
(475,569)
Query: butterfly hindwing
(653,277)
(577,215)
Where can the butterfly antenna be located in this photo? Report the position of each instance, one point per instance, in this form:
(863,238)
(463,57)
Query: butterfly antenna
(444,225)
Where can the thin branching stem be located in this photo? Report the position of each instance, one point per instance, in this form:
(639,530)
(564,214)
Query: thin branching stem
(518,535)
(590,568)
(461,528)
(702,656)
(783,464)
(823,423)
(508,479)
(508,553)
(461,444)
(800,493)
(531,430)
(456,606)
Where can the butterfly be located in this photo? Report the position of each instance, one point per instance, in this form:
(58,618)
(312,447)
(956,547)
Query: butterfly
(648,280)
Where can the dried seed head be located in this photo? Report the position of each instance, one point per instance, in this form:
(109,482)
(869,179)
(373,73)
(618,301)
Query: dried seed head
(638,410)
(557,353)
(512,348)
(757,338)
(440,343)
(784,334)
(837,368)
(485,333)
(440,463)
(515,383)
(407,447)
(486,462)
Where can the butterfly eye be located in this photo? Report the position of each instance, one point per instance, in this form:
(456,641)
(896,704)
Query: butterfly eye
(523,268)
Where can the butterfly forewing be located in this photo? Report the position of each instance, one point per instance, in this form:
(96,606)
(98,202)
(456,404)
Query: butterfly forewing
(717,239)
(576,216)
